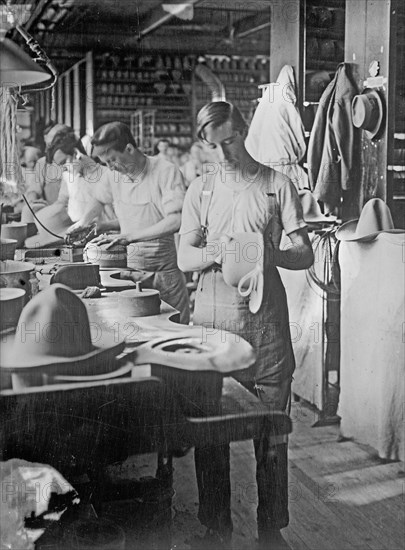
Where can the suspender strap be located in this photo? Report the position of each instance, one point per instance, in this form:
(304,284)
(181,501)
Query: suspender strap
(206,198)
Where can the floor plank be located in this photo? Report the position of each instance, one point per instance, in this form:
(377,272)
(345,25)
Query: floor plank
(342,497)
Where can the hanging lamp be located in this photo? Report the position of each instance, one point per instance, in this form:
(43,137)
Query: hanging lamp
(17,68)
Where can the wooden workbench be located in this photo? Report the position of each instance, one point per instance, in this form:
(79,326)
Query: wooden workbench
(85,425)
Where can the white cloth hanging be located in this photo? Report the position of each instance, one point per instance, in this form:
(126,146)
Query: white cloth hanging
(276,135)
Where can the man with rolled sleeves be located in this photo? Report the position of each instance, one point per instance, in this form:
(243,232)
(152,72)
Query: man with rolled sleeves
(147,194)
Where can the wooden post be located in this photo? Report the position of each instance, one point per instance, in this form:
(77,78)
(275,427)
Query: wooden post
(286,21)
(59,92)
(76,100)
(367,40)
(89,94)
(68,99)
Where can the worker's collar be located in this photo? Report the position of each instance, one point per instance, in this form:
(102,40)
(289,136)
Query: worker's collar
(138,175)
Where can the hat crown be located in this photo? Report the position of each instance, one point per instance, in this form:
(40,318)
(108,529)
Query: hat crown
(310,207)
(241,255)
(54,324)
(374,217)
(311,211)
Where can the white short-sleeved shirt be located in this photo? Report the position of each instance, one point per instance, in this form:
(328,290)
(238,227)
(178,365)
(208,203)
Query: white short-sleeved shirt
(157,192)
(44,180)
(77,191)
(268,204)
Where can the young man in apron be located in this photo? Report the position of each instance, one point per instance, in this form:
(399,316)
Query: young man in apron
(147,194)
(243,196)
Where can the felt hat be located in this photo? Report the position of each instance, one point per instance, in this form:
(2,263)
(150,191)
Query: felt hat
(242,266)
(55,218)
(77,276)
(54,332)
(375,218)
(311,209)
(367,112)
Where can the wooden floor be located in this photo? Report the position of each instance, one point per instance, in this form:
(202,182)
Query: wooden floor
(341,495)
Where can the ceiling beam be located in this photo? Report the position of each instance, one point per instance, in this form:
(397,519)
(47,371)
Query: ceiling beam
(157,17)
(252,24)
(180,42)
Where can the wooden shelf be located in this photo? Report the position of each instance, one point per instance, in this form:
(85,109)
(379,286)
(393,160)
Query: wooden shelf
(236,71)
(316,32)
(137,81)
(335,4)
(170,134)
(316,65)
(140,94)
(138,106)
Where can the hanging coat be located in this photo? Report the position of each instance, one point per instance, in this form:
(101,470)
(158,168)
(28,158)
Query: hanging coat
(276,135)
(331,158)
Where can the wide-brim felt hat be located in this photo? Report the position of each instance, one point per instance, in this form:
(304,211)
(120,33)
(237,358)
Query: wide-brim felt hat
(55,218)
(242,266)
(375,218)
(311,210)
(368,112)
(54,331)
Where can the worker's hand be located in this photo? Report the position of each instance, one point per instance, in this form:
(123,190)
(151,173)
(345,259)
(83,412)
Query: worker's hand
(223,242)
(217,246)
(111,240)
(76,227)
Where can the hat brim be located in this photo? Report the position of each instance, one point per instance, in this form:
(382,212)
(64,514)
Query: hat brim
(347,232)
(213,352)
(97,361)
(256,296)
(321,219)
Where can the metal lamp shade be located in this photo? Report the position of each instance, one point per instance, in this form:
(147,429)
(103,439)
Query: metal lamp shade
(17,68)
